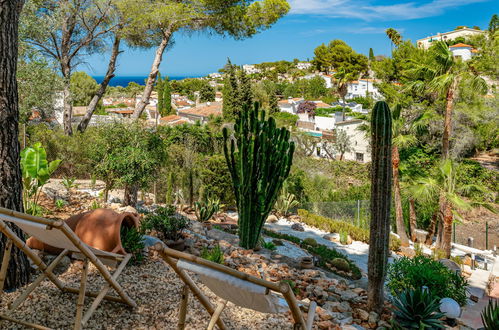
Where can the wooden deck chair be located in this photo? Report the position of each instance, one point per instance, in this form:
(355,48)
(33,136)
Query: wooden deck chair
(57,234)
(231,285)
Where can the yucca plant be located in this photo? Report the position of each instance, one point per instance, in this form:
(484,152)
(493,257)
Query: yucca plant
(205,210)
(490,316)
(417,309)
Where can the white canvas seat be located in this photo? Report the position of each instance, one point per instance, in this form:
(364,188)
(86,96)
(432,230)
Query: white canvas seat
(231,285)
(58,234)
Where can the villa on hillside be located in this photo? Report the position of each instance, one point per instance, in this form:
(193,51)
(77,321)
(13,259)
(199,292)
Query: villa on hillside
(362,88)
(303,65)
(290,105)
(250,69)
(463,51)
(464,32)
(328,78)
(172,120)
(202,112)
(359,143)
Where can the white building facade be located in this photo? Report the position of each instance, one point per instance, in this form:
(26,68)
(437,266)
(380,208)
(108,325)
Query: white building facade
(359,143)
(426,43)
(363,88)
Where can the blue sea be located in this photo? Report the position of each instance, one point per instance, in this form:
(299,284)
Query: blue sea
(124,80)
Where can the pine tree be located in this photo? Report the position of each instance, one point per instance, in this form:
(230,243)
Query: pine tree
(371,54)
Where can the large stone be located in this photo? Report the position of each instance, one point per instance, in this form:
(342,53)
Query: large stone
(348,295)
(333,237)
(150,241)
(272,219)
(451,265)
(55,190)
(373,318)
(362,314)
(297,227)
(450,308)
(407,251)
(421,235)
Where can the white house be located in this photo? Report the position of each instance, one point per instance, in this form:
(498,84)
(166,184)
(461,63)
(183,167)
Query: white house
(153,99)
(290,105)
(215,75)
(359,143)
(362,88)
(425,43)
(250,69)
(303,65)
(327,78)
(463,51)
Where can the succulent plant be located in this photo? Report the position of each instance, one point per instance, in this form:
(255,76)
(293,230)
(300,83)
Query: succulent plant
(310,241)
(490,316)
(340,264)
(205,210)
(417,309)
(259,157)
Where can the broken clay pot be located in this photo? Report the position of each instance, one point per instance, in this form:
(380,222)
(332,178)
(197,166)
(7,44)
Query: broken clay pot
(100,229)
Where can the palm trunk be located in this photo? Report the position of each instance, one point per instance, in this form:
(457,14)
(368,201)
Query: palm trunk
(82,126)
(10,171)
(431,229)
(412,218)
(446,237)
(151,79)
(399,217)
(448,121)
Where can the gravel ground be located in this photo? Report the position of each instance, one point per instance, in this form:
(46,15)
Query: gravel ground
(155,288)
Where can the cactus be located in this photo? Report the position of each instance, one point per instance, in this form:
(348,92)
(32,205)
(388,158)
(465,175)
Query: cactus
(259,157)
(381,194)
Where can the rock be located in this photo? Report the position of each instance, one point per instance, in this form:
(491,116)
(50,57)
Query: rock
(326,325)
(373,318)
(331,306)
(344,307)
(348,295)
(454,267)
(128,208)
(450,308)
(115,206)
(277,242)
(346,320)
(61,267)
(55,190)
(363,315)
(349,240)
(198,227)
(333,237)
(340,264)
(297,227)
(383,325)
(272,219)
(407,251)
(150,241)
(352,327)
(324,314)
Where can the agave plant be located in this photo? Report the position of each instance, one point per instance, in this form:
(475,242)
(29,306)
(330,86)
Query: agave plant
(285,202)
(205,210)
(490,316)
(417,309)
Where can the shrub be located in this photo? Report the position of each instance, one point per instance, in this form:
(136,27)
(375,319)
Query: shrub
(343,237)
(133,242)
(340,264)
(269,246)
(167,222)
(405,274)
(417,309)
(335,226)
(310,241)
(215,255)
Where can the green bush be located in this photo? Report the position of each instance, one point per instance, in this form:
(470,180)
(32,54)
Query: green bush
(405,274)
(269,246)
(133,242)
(340,264)
(215,255)
(167,222)
(310,241)
(334,226)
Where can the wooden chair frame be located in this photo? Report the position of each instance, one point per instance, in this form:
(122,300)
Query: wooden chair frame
(119,261)
(171,257)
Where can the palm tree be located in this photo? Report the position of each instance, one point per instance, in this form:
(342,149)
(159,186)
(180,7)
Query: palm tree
(444,186)
(394,36)
(343,78)
(443,74)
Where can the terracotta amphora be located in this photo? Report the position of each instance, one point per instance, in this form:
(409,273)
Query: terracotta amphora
(98,228)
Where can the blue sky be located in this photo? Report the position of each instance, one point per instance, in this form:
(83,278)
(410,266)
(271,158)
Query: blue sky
(360,23)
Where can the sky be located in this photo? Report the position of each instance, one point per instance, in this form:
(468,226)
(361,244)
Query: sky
(360,23)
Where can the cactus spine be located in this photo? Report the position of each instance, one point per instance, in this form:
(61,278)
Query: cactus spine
(259,157)
(381,194)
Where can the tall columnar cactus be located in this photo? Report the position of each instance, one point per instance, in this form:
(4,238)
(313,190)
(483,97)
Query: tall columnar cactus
(381,194)
(259,157)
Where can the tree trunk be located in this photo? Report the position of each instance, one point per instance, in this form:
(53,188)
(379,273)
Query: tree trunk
(131,193)
(431,229)
(399,216)
(82,126)
(191,188)
(448,218)
(448,121)
(412,218)
(151,79)
(10,171)
(67,118)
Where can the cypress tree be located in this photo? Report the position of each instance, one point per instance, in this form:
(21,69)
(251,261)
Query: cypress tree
(246,94)
(274,104)
(167,98)
(371,54)
(231,100)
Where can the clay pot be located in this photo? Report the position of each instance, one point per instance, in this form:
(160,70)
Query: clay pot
(100,229)
(307,263)
(178,245)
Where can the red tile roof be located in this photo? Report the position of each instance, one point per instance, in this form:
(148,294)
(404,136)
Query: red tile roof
(171,118)
(460,45)
(214,109)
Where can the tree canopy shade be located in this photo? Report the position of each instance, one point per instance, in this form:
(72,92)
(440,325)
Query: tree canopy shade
(65,31)
(337,54)
(155,22)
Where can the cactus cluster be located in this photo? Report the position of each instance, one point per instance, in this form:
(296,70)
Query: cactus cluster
(259,157)
(381,194)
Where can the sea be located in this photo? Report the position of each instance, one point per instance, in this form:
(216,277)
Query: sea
(141,80)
